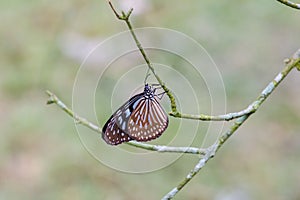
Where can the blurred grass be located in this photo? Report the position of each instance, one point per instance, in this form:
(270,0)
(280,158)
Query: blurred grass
(41,156)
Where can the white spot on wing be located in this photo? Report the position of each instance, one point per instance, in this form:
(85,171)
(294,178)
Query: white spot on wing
(135,104)
(123,126)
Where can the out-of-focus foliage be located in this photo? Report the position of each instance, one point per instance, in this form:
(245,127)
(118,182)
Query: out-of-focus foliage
(41,156)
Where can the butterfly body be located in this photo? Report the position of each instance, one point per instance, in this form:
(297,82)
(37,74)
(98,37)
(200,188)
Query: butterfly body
(141,118)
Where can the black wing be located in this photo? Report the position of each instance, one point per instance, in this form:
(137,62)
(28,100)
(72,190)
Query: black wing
(115,129)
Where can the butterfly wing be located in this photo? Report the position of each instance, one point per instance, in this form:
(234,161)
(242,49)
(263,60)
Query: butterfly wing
(147,121)
(115,131)
(112,134)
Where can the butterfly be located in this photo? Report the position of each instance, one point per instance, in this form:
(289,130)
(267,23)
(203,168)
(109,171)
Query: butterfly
(141,118)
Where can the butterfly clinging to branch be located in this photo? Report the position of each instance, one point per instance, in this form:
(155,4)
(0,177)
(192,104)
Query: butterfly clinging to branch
(141,118)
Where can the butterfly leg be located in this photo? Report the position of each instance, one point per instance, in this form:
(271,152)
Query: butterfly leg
(160,95)
(156,86)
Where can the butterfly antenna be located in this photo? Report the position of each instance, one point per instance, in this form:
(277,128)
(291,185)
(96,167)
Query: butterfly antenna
(147,75)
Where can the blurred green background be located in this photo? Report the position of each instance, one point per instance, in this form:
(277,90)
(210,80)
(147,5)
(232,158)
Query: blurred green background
(41,155)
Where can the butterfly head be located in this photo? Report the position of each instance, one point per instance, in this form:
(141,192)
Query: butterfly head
(148,91)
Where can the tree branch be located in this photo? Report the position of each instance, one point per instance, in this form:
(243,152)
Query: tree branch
(159,148)
(53,99)
(241,115)
(167,90)
(211,151)
(290,4)
(226,117)
(175,113)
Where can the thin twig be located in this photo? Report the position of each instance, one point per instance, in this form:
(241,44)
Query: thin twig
(125,17)
(226,117)
(175,113)
(211,151)
(53,99)
(290,4)
(159,148)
